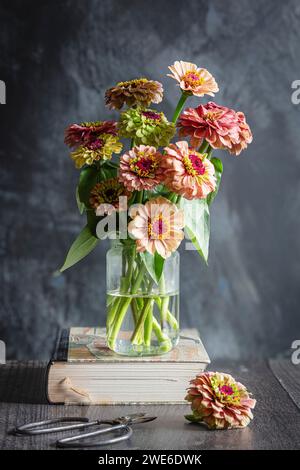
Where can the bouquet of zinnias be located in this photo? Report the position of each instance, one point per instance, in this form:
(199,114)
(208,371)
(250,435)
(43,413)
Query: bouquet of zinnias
(158,186)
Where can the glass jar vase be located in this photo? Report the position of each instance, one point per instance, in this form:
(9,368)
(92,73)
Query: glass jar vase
(142,312)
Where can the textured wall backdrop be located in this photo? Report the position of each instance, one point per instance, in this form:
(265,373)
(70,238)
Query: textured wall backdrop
(57,59)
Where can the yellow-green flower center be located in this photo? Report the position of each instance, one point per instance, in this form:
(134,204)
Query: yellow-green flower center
(193,78)
(226,391)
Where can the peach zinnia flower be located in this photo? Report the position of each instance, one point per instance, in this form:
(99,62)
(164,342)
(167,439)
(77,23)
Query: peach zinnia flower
(220,402)
(140,168)
(222,127)
(193,79)
(157,226)
(188,172)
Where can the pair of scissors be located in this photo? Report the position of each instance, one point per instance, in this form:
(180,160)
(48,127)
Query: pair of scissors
(122,425)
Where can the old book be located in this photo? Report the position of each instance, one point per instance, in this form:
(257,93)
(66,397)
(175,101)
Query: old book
(84,370)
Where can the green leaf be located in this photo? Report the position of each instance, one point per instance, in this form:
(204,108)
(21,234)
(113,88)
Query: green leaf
(80,204)
(154,265)
(197,225)
(92,220)
(159,190)
(217,163)
(81,247)
(89,176)
(159,262)
(191,418)
(108,170)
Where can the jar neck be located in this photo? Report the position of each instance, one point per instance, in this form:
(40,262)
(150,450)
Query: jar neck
(118,243)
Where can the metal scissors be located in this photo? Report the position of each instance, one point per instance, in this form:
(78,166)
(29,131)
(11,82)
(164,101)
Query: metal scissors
(120,425)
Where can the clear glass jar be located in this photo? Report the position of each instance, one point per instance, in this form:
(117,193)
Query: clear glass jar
(142,314)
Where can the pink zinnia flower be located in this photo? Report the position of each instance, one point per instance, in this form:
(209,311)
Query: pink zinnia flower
(140,168)
(188,172)
(222,127)
(87,133)
(193,79)
(220,402)
(157,226)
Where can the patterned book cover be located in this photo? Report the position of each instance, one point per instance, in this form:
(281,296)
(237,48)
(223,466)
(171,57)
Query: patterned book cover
(88,344)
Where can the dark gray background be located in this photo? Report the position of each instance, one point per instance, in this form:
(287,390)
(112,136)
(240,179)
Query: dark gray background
(57,59)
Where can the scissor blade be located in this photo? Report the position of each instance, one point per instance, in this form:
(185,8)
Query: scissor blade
(144,419)
(134,416)
(129,418)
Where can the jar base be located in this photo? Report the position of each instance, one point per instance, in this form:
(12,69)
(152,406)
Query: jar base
(126,348)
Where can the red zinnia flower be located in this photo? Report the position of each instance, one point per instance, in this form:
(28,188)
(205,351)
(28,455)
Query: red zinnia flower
(222,127)
(87,133)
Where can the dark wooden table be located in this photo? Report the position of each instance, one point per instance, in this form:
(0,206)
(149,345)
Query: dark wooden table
(276,425)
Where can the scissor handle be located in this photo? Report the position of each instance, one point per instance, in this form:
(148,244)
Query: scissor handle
(31,428)
(73,441)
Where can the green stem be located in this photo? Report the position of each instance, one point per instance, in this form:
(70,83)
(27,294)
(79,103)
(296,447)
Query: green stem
(123,306)
(209,152)
(130,268)
(170,318)
(140,197)
(112,313)
(203,147)
(172,197)
(135,311)
(161,336)
(179,106)
(178,199)
(172,321)
(164,301)
(139,305)
(147,306)
(125,285)
(148,325)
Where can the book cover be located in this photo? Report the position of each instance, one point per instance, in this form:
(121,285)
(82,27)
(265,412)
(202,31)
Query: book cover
(88,344)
